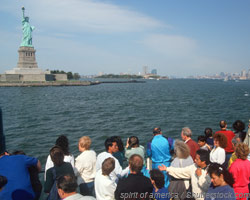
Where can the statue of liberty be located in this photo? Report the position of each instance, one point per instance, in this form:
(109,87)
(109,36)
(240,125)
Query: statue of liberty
(27,31)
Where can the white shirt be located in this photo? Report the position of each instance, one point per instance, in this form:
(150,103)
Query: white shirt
(79,197)
(104,187)
(200,184)
(70,158)
(117,172)
(85,167)
(217,155)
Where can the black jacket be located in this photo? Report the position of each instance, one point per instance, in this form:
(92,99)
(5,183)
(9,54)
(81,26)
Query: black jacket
(135,186)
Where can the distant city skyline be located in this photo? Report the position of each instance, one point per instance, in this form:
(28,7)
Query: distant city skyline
(178,38)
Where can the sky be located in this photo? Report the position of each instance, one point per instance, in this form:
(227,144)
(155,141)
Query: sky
(176,37)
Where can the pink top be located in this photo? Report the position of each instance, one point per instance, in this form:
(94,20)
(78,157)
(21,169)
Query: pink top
(241,173)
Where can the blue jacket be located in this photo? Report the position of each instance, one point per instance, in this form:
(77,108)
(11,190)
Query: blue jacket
(158,149)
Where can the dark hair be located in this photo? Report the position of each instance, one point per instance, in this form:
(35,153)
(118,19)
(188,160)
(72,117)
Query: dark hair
(156,130)
(67,183)
(208,132)
(202,138)
(119,142)
(57,155)
(222,139)
(63,142)
(217,169)
(223,124)
(135,163)
(133,141)
(108,166)
(3,181)
(18,152)
(204,155)
(108,143)
(158,177)
(238,126)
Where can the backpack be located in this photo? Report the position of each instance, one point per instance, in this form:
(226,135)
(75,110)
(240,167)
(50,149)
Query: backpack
(53,194)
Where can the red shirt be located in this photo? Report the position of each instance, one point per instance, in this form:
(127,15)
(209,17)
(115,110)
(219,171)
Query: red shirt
(193,146)
(240,170)
(230,135)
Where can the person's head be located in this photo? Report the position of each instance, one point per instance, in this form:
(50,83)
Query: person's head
(84,143)
(201,140)
(220,140)
(242,151)
(135,163)
(186,133)
(111,145)
(3,182)
(202,158)
(27,19)
(236,140)
(63,142)
(223,124)
(157,178)
(57,155)
(133,141)
(181,149)
(208,132)
(18,152)
(157,131)
(238,126)
(119,142)
(108,166)
(66,185)
(220,175)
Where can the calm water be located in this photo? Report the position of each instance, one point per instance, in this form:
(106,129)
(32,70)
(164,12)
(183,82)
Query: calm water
(34,117)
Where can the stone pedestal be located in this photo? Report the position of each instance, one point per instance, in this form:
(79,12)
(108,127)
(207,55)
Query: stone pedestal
(27,58)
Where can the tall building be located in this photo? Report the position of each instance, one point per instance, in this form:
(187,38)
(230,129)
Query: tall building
(145,70)
(243,73)
(154,71)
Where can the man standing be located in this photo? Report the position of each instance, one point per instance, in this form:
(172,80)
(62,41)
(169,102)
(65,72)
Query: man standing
(186,134)
(67,186)
(15,169)
(111,147)
(104,186)
(197,172)
(135,186)
(158,149)
(230,135)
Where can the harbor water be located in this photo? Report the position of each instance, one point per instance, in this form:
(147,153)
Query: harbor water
(34,117)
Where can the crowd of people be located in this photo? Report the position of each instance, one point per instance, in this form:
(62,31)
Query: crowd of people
(216,167)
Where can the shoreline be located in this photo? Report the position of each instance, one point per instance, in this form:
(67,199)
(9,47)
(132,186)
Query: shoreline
(61,83)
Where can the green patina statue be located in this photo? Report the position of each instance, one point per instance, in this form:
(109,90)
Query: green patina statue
(27,31)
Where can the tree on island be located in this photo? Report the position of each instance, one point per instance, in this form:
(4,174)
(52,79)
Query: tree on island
(70,75)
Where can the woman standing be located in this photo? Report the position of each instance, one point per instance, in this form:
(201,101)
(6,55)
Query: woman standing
(179,187)
(63,142)
(222,182)
(218,154)
(240,169)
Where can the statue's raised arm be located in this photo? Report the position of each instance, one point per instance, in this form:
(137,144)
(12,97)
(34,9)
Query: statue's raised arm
(27,31)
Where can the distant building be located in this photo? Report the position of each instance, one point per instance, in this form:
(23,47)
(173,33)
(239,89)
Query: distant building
(154,71)
(145,70)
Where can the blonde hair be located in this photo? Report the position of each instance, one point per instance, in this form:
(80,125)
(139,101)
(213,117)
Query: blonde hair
(242,151)
(85,142)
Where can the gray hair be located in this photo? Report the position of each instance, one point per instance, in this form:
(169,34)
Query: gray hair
(236,140)
(187,131)
(181,149)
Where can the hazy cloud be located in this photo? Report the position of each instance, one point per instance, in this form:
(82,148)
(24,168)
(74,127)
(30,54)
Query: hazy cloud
(89,16)
(170,45)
